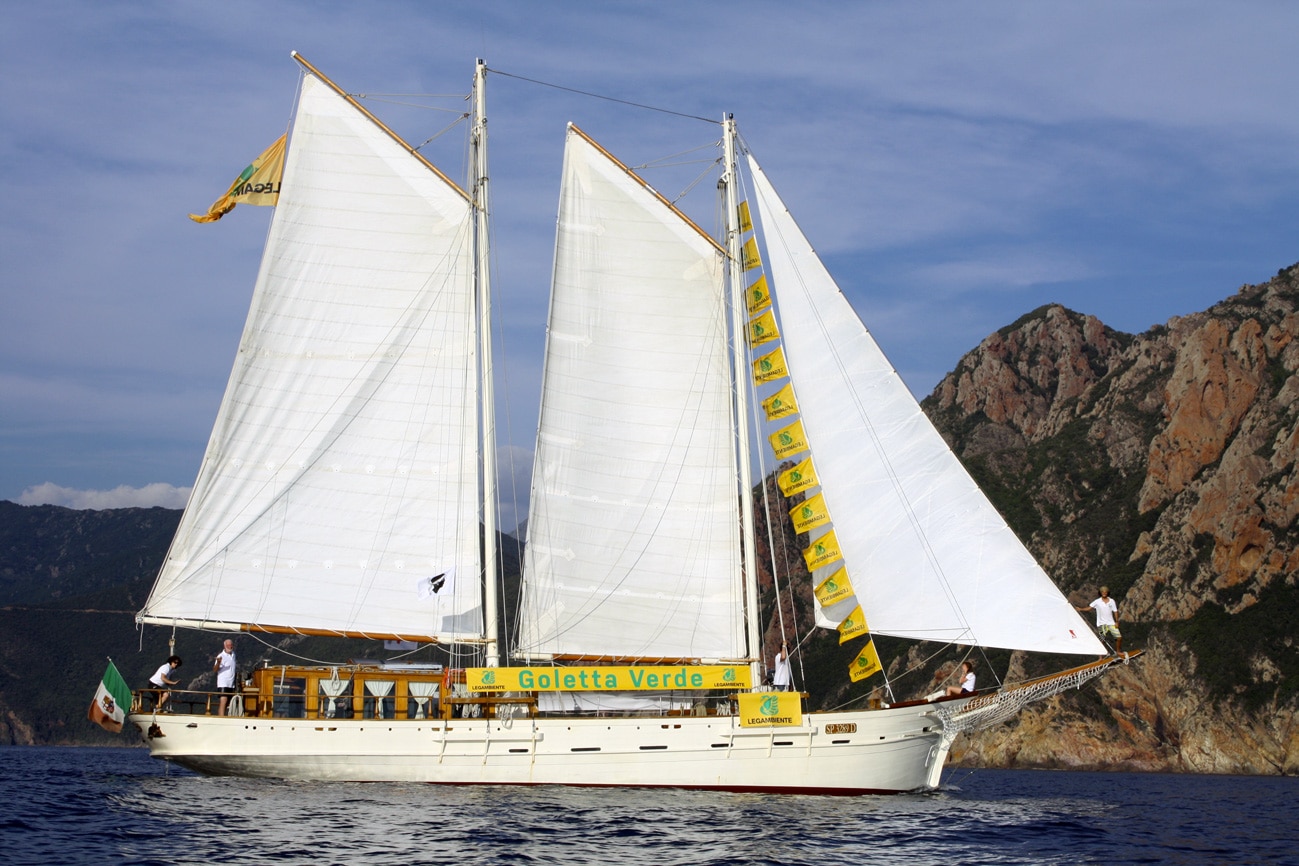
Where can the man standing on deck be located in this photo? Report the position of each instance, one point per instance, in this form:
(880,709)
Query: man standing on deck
(1107,618)
(224,667)
(781,679)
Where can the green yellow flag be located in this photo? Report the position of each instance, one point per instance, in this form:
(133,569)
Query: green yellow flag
(866,663)
(809,514)
(801,477)
(788,440)
(834,588)
(780,404)
(822,551)
(768,709)
(758,295)
(852,626)
(763,329)
(742,211)
(749,257)
(770,367)
(258,184)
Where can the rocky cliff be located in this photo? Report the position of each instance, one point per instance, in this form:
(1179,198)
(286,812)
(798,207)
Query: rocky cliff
(1163,465)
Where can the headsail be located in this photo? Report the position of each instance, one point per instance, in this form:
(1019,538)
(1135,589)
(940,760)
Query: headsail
(929,556)
(634,504)
(340,490)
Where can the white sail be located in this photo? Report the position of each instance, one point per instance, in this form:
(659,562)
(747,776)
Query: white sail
(633,533)
(927,554)
(339,491)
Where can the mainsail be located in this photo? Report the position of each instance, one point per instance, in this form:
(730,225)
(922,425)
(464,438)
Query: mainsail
(633,535)
(928,555)
(340,489)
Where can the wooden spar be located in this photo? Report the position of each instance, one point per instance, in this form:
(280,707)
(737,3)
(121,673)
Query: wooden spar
(639,660)
(1107,661)
(379,123)
(640,180)
(324,632)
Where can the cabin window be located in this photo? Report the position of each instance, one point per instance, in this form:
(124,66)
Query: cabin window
(379,702)
(422,700)
(335,698)
(290,697)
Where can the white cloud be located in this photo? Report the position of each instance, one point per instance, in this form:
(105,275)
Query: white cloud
(148,496)
(999,270)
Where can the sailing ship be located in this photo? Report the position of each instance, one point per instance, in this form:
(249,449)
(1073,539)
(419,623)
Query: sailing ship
(348,489)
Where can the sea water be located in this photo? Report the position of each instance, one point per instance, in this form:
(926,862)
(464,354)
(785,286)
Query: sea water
(119,806)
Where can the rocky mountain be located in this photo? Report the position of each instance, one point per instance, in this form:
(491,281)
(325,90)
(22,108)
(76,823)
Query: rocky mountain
(1162,465)
(70,583)
(47,552)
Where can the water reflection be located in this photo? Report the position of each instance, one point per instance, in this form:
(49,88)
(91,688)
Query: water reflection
(120,806)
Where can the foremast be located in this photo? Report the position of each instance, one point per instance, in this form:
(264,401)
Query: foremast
(482,239)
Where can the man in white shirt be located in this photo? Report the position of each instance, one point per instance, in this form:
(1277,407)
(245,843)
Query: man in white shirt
(780,680)
(161,681)
(1107,618)
(224,667)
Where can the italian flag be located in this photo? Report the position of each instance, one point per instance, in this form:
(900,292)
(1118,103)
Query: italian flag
(112,698)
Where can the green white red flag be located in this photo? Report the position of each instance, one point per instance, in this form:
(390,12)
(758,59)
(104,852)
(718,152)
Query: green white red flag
(112,699)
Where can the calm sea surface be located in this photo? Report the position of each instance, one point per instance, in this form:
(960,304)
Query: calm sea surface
(118,806)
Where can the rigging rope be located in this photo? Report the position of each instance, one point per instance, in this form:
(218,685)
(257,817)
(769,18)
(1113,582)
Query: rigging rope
(443,131)
(985,711)
(606,98)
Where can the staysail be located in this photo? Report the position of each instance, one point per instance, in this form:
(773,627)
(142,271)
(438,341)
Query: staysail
(340,490)
(928,555)
(633,533)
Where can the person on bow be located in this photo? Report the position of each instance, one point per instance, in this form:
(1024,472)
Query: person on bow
(1107,618)
(966,686)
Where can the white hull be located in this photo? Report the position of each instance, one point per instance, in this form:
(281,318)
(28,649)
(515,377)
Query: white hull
(890,751)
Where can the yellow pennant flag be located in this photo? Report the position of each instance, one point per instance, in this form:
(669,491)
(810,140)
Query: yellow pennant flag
(822,551)
(749,258)
(834,588)
(770,367)
(854,625)
(809,514)
(866,663)
(765,709)
(759,297)
(788,440)
(258,184)
(781,403)
(742,212)
(763,329)
(797,479)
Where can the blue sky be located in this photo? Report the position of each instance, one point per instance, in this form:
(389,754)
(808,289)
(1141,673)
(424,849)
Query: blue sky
(956,164)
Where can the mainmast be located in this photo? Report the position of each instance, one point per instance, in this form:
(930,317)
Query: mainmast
(484,286)
(740,390)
